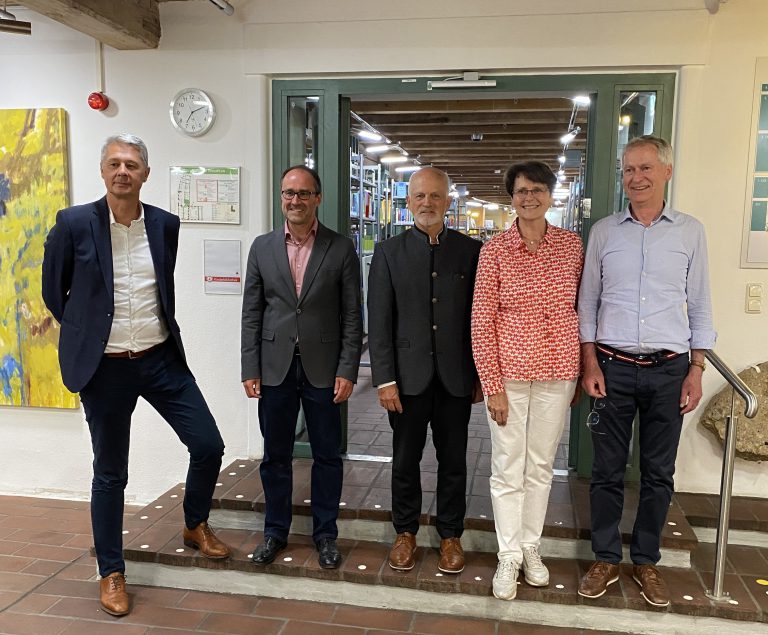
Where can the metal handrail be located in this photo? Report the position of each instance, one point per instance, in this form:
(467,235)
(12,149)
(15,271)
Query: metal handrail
(729,456)
(738,384)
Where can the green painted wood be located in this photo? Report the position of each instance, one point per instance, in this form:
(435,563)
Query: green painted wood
(601,143)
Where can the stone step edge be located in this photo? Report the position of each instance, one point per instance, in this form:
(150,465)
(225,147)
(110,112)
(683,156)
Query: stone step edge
(408,599)
(472,539)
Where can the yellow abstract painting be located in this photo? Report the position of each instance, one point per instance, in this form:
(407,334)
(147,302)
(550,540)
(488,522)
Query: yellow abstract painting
(34,185)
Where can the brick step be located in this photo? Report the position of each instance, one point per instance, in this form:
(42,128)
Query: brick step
(365,512)
(157,556)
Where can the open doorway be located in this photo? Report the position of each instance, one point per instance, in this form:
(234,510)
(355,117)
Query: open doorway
(474,139)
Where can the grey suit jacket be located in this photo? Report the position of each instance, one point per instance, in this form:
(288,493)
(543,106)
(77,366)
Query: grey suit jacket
(419,311)
(325,319)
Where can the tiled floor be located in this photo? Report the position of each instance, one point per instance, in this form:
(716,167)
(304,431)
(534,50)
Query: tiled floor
(369,432)
(48,587)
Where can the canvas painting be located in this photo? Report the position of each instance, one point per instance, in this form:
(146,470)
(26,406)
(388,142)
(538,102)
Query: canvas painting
(34,185)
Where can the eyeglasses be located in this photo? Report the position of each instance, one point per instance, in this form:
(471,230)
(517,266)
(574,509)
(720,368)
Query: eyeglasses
(536,191)
(302,194)
(593,418)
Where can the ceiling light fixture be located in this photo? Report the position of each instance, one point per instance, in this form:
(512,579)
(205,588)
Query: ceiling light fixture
(9,23)
(369,136)
(561,159)
(382,148)
(581,100)
(408,168)
(227,8)
(570,136)
(393,158)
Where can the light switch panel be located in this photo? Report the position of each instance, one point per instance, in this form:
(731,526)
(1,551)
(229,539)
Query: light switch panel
(754,300)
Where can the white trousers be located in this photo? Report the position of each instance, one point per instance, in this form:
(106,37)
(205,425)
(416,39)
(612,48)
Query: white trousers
(521,461)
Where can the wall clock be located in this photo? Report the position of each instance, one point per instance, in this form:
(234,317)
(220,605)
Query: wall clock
(192,112)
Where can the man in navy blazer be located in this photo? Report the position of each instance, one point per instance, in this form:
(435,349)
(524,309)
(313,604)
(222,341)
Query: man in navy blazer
(108,280)
(301,342)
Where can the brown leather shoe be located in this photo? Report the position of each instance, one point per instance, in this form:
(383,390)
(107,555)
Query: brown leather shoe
(113,596)
(652,585)
(451,556)
(203,538)
(595,581)
(401,554)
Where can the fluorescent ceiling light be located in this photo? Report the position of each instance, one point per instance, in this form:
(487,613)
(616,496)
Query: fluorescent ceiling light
(381,148)
(561,172)
(473,204)
(393,158)
(408,168)
(370,136)
(491,206)
(581,100)
(561,159)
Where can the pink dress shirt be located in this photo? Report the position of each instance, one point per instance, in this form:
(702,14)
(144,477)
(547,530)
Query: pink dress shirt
(299,253)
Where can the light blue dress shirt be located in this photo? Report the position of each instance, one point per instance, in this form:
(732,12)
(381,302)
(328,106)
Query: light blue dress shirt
(646,289)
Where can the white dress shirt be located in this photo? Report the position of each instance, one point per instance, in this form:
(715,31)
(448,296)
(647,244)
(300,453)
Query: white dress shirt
(138,322)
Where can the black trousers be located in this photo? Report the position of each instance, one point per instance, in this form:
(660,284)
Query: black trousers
(278,409)
(449,419)
(654,393)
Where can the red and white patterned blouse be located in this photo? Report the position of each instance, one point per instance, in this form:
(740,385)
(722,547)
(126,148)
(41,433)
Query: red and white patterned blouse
(524,321)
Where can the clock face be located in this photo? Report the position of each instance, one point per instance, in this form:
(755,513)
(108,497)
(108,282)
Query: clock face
(192,112)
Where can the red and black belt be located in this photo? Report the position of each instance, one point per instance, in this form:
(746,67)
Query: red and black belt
(645,359)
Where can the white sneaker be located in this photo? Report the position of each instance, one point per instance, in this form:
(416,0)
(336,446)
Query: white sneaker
(536,574)
(505,580)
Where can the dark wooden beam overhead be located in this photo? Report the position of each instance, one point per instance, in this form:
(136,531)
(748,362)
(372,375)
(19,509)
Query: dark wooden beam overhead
(440,133)
(124,25)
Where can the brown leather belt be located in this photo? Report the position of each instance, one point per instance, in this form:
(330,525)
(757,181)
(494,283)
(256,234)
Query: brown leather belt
(132,354)
(646,359)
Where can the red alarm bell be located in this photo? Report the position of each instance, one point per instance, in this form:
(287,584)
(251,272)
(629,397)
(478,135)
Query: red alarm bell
(98,101)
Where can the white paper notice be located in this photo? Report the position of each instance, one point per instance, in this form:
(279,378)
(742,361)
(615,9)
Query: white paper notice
(221,267)
(202,194)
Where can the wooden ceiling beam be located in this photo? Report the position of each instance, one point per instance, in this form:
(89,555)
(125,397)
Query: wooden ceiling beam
(508,128)
(480,118)
(553,104)
(124,25)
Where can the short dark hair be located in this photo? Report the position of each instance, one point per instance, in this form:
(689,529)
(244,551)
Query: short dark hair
(310,171)
(535,171)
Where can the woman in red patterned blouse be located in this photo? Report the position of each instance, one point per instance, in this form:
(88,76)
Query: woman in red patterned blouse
(525,342)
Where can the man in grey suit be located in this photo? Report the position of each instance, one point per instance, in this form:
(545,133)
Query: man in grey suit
(301,342)
(420,290)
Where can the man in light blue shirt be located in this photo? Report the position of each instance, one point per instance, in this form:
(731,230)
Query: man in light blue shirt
(645,321)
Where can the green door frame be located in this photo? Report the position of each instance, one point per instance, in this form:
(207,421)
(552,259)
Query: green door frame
(332,163)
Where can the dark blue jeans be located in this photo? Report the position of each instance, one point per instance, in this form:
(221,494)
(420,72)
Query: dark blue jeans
(278,410)
(163,380)
(653,393)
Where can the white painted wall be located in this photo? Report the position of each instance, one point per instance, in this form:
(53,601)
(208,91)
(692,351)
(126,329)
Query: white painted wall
(48,452)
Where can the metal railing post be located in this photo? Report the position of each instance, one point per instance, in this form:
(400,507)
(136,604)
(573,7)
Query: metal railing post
(729,456)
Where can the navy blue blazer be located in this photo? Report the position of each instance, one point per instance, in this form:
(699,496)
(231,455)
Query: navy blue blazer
(78,285)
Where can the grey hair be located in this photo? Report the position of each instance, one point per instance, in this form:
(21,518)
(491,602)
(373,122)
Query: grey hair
(663,148)
(129,140)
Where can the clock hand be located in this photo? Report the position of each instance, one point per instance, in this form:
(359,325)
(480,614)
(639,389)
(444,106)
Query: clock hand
(193,112)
